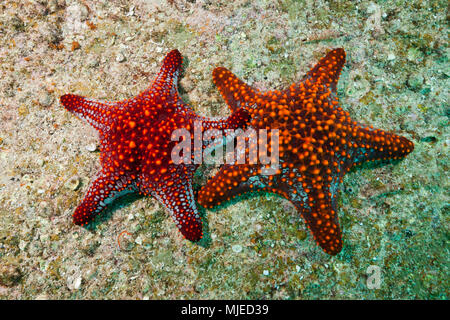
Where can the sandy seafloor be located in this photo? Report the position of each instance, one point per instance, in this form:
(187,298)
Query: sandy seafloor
(394,217)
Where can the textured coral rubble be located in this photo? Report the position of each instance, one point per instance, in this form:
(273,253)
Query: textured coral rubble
(394,217)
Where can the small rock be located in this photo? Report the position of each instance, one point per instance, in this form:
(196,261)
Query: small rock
(42,296)
(50,33)
(126,241)
(301,234)
(17,23)
(372,8)
(75,45)
(45,208)
(53,6)
(130,12)
(22,244)
(74,282)
(120,58)
(27,178)
(73,183)
(391,56)
(79,10)
(91,147)
(93,63)
(75,15)
(414,54)
(236,248)
(77,283)
(10,274)
(46,100)
(266,272)
(415,81)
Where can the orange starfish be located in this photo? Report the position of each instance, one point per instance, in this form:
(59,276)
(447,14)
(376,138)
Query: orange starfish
(319,143)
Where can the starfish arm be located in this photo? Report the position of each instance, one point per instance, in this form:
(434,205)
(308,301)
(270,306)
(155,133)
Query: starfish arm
(102,191)
(316,201)
(96,113)
(166,82)
(174,190)
(326,72)
(226,126)
(375,144)
(234,91)
(231,181)
(238,119)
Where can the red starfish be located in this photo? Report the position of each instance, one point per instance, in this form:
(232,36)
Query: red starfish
(136,148)
(319,143)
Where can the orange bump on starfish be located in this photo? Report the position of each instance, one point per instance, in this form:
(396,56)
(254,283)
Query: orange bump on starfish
(319,143)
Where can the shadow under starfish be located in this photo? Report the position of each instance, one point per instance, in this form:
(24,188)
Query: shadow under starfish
(127,200)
